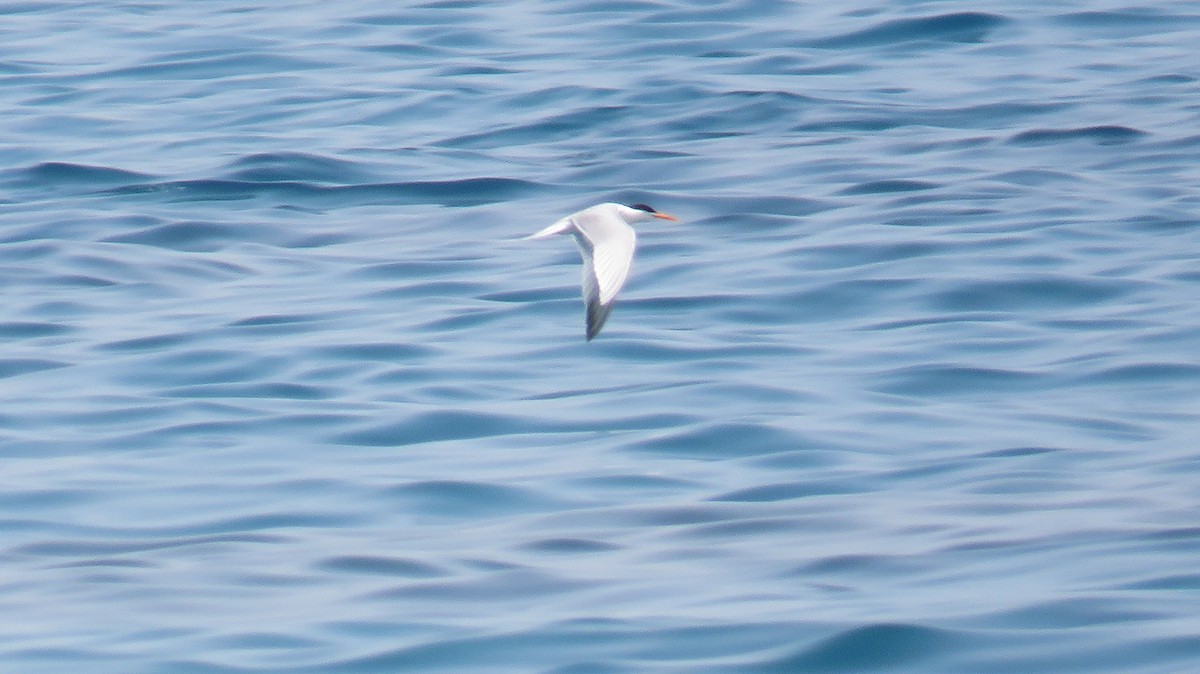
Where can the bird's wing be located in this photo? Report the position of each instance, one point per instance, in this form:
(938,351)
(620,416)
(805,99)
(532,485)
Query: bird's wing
(606,245)
(597,312)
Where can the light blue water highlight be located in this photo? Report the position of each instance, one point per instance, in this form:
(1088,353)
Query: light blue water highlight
(914,387)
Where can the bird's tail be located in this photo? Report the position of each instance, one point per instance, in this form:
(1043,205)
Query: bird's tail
(560,227)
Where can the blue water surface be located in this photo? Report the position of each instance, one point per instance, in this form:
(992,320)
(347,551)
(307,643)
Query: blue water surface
(913,387)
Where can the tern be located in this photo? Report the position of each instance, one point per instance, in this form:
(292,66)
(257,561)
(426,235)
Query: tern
(606,242)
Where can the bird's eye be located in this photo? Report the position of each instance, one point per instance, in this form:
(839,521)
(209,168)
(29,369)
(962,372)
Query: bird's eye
(644,207)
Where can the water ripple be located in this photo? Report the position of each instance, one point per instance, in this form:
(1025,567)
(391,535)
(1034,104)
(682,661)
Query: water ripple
(951,27)
(871,647)
(1101,135)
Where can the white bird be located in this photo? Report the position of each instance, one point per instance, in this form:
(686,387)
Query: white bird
(606,242)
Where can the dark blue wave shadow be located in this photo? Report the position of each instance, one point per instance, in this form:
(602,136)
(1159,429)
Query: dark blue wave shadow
(31,329)
(966,27)
(565,125)
(13,367)
(200,66)
(1042,292)
(80,548)
(1107,134)
(451,193)
(274,167)
(381,566)
(460,498)
(281,175)
(870,648)
(569,546)
(951,379)
(888,186)
(436,426)
(785,491)
(722,440)
(185,236)
(264,390)
(1131,22)
(65,173)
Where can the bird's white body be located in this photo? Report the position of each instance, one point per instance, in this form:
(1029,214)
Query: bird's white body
(606,242)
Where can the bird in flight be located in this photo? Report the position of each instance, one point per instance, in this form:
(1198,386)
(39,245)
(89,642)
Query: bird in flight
(606,242)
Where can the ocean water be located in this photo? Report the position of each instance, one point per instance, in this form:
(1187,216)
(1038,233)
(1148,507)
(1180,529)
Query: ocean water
(913,387)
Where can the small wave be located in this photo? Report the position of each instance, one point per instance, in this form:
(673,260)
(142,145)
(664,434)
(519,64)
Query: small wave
(108,546)
(148,343)
(878,647)
(438,426)
(298,167)
(381,566)
(1157,374)
(787,491)
(1167,582)
(673,516)
(64,173)
(1101,135)
(955,27)
(266,390)
(31,329)
(570,124)
(1044,292)
(270,320)
(466,192)
(569,546)
(767,205)
(866,565)
(376,352)
(13,367)
(949,379)
(185,236)
(1128,22)
(474,69)
(1074,612)
(722,440)
(469,499)
(1036,177)
(625,482)
(199,66)
(211,189)
(451,193)
(888,186)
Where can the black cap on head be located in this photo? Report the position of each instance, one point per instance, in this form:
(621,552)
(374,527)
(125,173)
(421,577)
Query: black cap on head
(644,207)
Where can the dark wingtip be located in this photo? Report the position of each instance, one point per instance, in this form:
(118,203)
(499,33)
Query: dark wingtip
(597,314)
